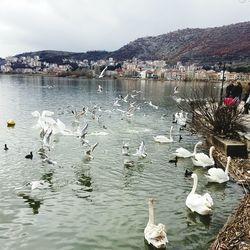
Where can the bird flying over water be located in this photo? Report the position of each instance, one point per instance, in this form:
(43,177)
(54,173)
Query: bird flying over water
(102,73)
(140,152)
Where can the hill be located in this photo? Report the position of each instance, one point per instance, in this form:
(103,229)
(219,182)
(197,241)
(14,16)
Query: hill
(228,43)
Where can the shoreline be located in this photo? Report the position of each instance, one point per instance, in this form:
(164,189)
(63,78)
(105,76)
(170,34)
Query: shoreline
(108,78)
(235,234)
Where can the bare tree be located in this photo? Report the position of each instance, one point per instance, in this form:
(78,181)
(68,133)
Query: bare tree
(209,115)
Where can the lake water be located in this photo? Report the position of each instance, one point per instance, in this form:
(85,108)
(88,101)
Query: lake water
(99,204)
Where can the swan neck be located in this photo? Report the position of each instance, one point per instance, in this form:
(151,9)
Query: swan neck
(195,148)
(151,217)
(211,152)
(170,134)
(194,184)
(227,167)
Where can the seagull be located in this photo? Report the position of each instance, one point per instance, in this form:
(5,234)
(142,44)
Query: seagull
(49,161)
(128,163)
(36,184)
(152,105)
(140,152)
(175,90)
(125,99)
(47,136)
(99,88)
(88,155)
(116,103)
(125,149)
(102,73)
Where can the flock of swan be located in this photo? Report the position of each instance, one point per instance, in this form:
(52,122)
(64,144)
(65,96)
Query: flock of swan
(155,234)
(201,204)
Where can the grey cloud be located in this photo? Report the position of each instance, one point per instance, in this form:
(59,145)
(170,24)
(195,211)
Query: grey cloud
(81,25)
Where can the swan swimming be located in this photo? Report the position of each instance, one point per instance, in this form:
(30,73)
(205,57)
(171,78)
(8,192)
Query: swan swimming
(44,119)
(155,234)
(163,138)
(184,153)
(203,160)
(200,204)
(219,175)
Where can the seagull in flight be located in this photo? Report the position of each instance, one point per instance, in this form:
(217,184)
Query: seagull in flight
(140,152)
(102,73)
(175,90)
(88,155)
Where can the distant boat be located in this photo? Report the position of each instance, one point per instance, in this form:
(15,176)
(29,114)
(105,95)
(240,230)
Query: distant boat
(102,73)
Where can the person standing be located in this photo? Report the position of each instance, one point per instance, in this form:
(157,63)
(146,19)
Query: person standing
(237,92)
(246,99)
(229,89)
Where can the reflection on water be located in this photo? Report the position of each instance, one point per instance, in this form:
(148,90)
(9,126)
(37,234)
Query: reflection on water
(102,202)
(33,202)
(195,218)
(85,181)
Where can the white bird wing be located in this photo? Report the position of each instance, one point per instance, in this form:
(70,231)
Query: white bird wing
(47,113)
(218,172)
(201,157)
(83,131)
(197,203)
(60,124)
(102,73)
(125,98)
(156,235)
(94,146)
(208,200)
(182,152)
(35,114)
(142,148)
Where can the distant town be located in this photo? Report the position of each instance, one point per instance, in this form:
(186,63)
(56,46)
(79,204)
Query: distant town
(135,68)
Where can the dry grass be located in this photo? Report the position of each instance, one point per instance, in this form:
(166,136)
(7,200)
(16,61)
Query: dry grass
(239,169)
(235,235)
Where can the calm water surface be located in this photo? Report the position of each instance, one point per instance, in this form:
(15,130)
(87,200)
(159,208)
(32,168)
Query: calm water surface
(98,204)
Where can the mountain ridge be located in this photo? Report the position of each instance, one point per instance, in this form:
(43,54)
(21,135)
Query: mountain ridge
(190,45)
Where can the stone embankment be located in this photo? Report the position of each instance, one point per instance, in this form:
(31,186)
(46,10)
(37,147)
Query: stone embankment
(235,235)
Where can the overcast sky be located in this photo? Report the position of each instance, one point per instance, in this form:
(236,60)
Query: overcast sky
(82,25)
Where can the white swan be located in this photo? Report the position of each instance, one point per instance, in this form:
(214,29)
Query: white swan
(218,174)
(182,120)
(200,204)
(44,119)
(163,138)
(184,153)
(155,234)
(203,160)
